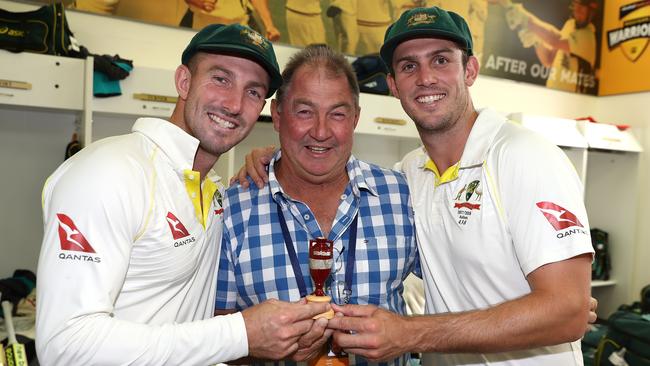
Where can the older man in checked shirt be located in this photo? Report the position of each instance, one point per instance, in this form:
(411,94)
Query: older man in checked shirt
(318,189)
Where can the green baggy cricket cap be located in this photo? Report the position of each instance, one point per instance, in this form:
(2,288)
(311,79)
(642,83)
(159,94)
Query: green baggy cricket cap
(432,22)
(237,40)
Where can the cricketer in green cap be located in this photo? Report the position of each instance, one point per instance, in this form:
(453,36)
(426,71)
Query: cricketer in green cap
(426,22)
(237,40)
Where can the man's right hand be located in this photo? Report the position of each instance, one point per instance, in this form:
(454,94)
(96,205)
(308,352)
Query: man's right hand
(274,327)
(255,167)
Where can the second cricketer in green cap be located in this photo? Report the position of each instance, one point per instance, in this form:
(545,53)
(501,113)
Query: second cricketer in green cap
(238,40)
(423,23)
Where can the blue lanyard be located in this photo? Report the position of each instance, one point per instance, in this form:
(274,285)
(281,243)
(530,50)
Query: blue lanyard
(349,265)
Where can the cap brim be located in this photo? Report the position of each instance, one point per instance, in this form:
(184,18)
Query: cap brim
(389,47)
(275,77)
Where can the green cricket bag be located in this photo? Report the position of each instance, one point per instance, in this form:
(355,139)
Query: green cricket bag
(627,341)
(44,30)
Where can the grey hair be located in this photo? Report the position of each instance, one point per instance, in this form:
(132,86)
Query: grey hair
(319,55)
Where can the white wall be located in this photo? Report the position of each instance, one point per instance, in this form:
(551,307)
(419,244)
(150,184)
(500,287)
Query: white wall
(633,109)
(161,46)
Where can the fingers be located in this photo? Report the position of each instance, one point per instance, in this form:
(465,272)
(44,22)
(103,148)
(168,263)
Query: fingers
(593,316)
(351,341)
(355,310)
(310,310)
(241,177)
(346,324)
(250,167)
(314,334)
(275,327)
(256,163)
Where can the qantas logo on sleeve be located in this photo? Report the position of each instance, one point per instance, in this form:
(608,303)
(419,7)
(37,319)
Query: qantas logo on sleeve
(70,237)
(559,217)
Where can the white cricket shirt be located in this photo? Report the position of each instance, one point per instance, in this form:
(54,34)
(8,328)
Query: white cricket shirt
(481,230)
(127,268)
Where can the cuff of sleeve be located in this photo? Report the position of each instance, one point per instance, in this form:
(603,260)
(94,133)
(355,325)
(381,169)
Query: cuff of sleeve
(557,256)
(233,343)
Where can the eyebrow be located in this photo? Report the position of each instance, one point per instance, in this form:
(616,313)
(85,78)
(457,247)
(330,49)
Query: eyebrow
(230,74)
(309,103)
(219,68)
(428,55)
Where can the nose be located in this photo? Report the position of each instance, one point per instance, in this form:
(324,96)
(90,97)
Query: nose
(232,101)
(426,76)
(321,129)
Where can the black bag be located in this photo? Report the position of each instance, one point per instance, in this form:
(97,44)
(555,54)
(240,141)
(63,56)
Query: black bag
(44,30)
(601,266)
(628,335)
(371,74)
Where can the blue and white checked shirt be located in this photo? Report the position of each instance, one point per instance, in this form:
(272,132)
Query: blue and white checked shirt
(255,266)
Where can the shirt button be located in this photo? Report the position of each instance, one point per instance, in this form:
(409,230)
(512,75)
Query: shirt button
(344,196)
(193,195)
(190,177)
(306,217)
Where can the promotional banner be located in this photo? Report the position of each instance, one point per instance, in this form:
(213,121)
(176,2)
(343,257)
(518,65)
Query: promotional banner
(626,58)
(552,43)
(581,46)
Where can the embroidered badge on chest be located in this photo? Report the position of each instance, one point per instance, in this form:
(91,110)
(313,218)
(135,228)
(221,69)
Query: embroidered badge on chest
(468,200)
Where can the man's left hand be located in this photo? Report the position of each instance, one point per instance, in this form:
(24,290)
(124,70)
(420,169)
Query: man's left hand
(371,332)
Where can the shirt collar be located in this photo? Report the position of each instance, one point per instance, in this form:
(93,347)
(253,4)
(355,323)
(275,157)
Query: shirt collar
(486,126)
(480,138)
(358,171)
(179,146)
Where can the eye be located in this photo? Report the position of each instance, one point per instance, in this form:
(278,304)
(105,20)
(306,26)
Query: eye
(255,94)
(408,67)
(338,115)
(304,113)
(220,80)
(440,60)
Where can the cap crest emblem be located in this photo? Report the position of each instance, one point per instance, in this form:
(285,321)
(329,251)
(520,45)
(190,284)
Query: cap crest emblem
(254,38)
(420,18)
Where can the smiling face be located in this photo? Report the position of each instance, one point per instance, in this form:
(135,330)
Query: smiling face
(316,122)
(432,84)
(223,97)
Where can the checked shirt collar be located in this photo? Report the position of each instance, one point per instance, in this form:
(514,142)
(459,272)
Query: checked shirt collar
(348,206)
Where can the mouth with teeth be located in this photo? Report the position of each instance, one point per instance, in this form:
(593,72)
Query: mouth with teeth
(430,99)
(222,122)
(317,149)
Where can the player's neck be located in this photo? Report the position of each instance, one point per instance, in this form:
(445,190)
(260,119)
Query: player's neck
(446,148)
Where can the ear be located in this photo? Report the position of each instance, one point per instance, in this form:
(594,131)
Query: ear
(471,71)
(391,85)
(183,79)
(275,115)
(356,117)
